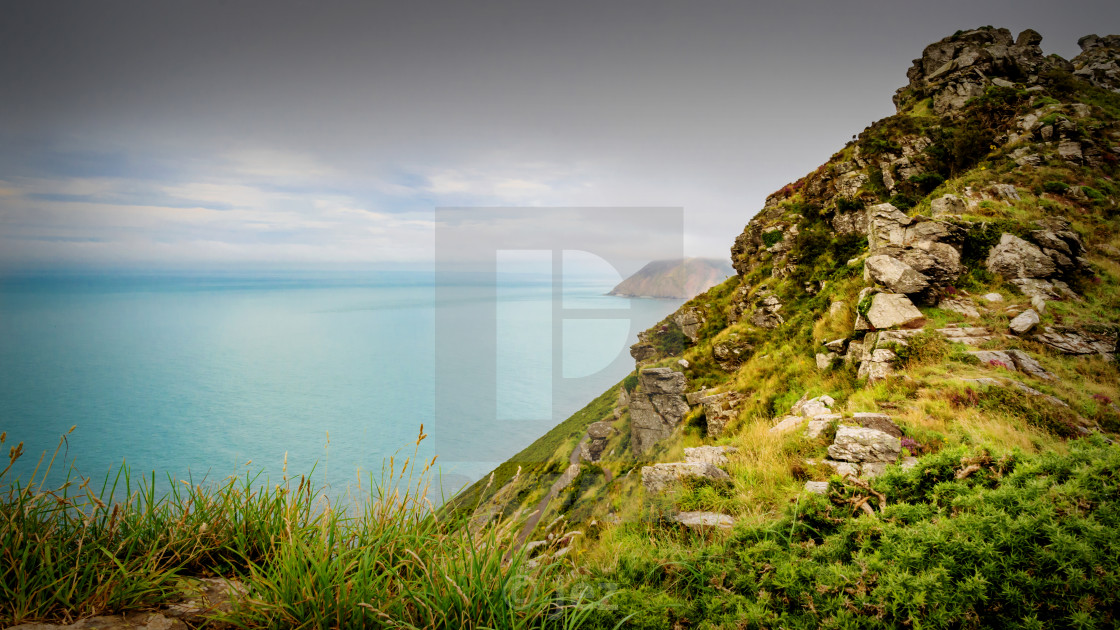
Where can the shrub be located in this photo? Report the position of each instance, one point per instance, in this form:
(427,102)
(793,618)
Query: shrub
(924,348)
(1055,187)
(847,204)
(902,201)
(927,182)
(630,383)
(772,237)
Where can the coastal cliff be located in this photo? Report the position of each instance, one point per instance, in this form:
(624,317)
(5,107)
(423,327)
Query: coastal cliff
(936,308)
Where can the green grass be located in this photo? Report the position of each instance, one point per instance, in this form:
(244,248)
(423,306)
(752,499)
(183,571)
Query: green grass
(68,550)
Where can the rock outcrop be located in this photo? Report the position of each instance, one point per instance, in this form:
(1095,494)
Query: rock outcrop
(1097,62)
(656,407)
(961,67)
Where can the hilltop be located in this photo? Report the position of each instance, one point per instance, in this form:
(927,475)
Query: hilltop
(882,418)
(681,279)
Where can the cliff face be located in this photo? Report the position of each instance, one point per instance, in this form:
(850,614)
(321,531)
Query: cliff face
(680,279)
(949,279)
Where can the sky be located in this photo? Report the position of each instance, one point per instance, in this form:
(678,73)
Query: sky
(288,135)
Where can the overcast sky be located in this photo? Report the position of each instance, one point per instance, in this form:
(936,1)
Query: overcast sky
(300,134)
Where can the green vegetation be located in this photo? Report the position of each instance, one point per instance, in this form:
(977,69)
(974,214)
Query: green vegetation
(769,239)
(69,550)
(966,538)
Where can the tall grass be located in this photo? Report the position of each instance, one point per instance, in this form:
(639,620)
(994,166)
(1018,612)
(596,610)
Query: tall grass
(74,549)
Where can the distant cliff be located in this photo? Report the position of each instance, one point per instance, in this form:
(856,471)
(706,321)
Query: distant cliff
(682,279)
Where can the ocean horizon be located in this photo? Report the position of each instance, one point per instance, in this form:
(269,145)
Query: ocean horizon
(202,376)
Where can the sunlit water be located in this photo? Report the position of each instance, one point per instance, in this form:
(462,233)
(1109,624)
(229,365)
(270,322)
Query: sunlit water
(195,378)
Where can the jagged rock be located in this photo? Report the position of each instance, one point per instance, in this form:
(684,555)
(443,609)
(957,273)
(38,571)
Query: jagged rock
(1026,364)
(819,424)
(889,310)
(597,435)
(1038,303)
(1046,289)
(786,424)
(1005,192)
(826,359)
(972,336)
(715,455)
(896,275)
(886,225)
(810,407)
(877,365)
(843,469)
(837,345)
(694,398)
(1073,341)
(660,477)
(731,352)
(857,444)
(816,487)
(947,205)
(719,411)
(690,321)
(1014,360)
(1015,258)
(1099,61)
(683,363)
(656,408)
(879,422)
(765,314)
(1024,322)
(704,520)
(959,305)
(643,351)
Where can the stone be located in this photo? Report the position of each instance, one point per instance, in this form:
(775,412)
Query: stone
(870,470)
(836,308)
(694,398)
(947,205)
(886,225)
(1078,342)
(889,310)
(836,345)
(1070,151)
(598,433)
(816,487)
(994,358)
(879,422)
(1038,303)
(993,297)
(661,477)
(819,424)
(896,275)
(858,444)
(704,520)
(826,359)
(730,353)
(643,352)
(1015,258)
(1047,289)
(959,305)
(766,314)
(657,407)
(715,455)
(1006,192)
(1024,322)
(843,469)
(1028,365)
(908,462)
(689,320)
(972,336)
(787,424)
(877,365)
(811,407)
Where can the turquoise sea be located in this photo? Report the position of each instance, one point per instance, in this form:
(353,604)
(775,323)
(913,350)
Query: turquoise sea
(201,377)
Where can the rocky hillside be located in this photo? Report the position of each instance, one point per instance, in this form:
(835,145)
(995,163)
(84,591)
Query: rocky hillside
(864,426)
(680,279)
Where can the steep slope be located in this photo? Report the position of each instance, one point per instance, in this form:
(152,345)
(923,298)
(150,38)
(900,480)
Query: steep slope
(922,332)
(682,279)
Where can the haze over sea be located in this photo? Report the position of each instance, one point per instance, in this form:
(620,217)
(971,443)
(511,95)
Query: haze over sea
(196,376)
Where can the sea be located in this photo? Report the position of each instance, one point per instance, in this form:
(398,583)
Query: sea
(197,377)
